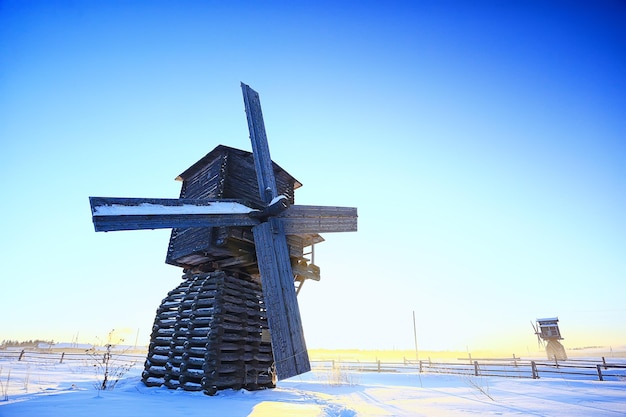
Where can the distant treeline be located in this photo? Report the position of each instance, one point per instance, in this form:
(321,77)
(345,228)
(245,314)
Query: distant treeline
(25,343)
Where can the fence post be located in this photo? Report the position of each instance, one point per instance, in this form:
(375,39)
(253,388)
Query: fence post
(604,362)
(556,362)
(514,360)
(600,372)
(475,368)
(378,365)
(21,355)
(62,356)
(420,366)
(533,366)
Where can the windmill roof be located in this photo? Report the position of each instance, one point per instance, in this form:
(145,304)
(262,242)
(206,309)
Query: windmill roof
(189,172)
(548,319)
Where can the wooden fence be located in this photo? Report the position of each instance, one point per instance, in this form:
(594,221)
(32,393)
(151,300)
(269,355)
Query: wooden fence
(52,356)
(509,368)
(599,369)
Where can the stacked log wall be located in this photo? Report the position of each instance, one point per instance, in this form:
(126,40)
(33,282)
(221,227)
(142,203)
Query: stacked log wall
(242,181)
(224,173)
(207,183)
(167,317)
(207,336)
(244,361)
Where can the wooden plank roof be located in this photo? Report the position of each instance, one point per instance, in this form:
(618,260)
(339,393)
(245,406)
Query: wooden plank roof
(189,172)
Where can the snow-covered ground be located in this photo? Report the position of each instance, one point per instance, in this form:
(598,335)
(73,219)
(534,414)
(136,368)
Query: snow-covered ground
(51,388)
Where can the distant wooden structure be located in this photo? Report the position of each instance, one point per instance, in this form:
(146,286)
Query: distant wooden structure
(234,321)
(548,333)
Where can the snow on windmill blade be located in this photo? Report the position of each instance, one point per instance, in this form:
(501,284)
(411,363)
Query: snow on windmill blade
(113,214)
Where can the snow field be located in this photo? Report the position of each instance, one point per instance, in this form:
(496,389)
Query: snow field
(61,389)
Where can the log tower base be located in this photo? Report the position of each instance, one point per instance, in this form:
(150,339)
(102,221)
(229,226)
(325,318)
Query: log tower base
(210,333)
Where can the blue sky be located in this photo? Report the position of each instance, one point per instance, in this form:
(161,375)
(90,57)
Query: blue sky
(484,146)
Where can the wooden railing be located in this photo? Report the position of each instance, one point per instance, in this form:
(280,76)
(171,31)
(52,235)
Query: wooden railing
(598,369)
(508,367)
(45,356)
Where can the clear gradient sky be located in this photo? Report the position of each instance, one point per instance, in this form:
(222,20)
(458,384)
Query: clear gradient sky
(484,144)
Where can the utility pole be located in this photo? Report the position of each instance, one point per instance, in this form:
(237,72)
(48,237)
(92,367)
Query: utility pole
(417,356)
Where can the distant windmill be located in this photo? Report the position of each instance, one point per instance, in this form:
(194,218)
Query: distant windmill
(234,321)
(548,334)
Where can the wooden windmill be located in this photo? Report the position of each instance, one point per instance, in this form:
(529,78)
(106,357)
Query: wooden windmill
(548,333)
(234,320)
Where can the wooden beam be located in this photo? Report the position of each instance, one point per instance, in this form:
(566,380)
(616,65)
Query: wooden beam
(113,214)
(167,221)
(288,344)
(319,219)
(260,148)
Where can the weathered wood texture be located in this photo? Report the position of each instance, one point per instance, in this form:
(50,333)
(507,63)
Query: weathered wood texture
(241,181)
(319,219)
(207,336)
(288,345)
(114,214)
(111,214)
(224,173)
(285,324)
(260,148)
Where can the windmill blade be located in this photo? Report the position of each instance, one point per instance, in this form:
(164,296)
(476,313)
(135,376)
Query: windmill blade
(283,315)
(113,214)
(288,346)
(319,219)
(260,148)
(539,341)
